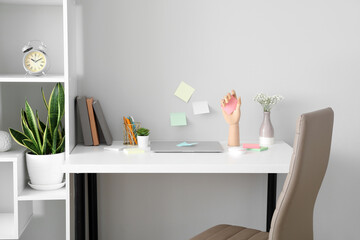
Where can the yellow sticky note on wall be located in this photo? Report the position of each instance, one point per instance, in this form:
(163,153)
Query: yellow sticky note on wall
(184,91)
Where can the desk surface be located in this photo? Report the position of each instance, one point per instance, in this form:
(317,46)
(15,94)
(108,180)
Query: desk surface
(95,159)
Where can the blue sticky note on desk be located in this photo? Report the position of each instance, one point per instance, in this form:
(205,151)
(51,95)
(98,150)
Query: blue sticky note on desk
(185,144)
(178,119)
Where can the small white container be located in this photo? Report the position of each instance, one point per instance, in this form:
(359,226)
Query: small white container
(143,142)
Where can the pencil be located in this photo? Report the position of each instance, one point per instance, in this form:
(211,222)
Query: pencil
(127,131)
(131,131)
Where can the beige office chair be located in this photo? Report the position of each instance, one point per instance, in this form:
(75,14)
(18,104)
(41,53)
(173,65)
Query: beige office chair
(293,217)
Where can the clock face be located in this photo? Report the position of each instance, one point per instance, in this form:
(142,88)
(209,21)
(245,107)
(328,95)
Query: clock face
(35,61)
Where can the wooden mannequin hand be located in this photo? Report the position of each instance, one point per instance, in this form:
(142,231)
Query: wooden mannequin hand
(232,119)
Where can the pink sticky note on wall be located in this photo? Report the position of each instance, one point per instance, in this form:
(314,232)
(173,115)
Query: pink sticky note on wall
(230,106)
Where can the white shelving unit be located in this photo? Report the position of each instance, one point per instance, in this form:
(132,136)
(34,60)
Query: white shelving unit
(29,194)
(16,209)
(57,29)
(7,223)
(20,78)
(14,216)
(33,2)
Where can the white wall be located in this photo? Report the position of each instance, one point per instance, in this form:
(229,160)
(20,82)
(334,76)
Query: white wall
(137,52)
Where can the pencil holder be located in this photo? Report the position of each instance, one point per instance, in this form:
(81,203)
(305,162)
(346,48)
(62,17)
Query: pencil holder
(129,131)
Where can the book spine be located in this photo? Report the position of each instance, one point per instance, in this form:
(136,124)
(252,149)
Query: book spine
(84,120)
(94,133)
(102,124)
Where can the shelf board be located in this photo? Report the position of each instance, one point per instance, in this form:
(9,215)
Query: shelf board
(21,78)
(33,2)
(13,154)
(7,226)
(29,194)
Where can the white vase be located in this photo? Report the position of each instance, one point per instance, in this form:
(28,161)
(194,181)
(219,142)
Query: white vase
(266,137)
(45,169)
(143,142)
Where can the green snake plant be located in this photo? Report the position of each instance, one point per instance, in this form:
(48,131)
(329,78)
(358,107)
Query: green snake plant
(39,137)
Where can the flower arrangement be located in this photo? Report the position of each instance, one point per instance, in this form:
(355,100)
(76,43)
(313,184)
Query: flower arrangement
(267,102)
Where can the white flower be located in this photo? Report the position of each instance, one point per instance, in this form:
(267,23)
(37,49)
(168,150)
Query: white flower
(267,102)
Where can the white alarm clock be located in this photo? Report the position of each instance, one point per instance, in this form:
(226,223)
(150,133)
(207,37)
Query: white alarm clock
(35,59)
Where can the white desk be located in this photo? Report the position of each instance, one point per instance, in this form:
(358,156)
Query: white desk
(95,159)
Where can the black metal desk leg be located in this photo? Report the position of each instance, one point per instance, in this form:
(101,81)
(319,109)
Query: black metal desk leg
(79,206)
(271,199)
(92,197)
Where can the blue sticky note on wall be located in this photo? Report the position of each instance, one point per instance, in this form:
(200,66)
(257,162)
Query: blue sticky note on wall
(178,119)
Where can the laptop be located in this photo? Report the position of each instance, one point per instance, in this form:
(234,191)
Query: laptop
(199,147)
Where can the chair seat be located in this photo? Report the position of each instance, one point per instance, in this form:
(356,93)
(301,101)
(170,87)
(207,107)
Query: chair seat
(229,232)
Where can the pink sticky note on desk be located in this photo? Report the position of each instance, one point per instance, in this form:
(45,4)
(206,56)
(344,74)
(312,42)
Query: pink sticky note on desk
(251,145)
(230,106)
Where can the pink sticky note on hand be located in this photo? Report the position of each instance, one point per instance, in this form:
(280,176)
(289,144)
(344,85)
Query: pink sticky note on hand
(230,106)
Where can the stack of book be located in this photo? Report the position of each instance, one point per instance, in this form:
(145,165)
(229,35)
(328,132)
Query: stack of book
(92,121)
(254,147)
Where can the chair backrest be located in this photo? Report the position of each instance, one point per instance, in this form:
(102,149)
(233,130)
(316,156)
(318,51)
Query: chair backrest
(293,217)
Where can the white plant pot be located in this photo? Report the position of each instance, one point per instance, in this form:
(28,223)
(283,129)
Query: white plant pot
(45,169)
(143,142)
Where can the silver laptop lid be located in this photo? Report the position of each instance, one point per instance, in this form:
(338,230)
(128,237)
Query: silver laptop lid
(199,147)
